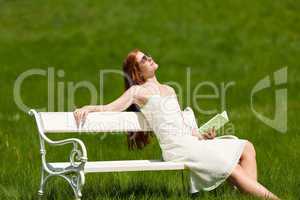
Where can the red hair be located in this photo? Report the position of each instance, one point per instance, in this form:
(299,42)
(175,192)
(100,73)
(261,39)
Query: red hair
(133,76)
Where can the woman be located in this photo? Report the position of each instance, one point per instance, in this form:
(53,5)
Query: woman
(210,160)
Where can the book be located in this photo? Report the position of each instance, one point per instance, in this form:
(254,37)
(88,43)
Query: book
(217,122)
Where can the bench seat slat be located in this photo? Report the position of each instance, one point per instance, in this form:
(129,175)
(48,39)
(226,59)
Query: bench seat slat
(126,165)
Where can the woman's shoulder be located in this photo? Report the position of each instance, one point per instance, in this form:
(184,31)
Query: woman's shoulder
(169,88)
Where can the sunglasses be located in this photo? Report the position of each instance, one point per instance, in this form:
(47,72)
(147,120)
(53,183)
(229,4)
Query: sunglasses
(145,58)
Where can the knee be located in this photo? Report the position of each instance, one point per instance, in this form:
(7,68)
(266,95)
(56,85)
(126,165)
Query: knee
(249,149)
(236,173)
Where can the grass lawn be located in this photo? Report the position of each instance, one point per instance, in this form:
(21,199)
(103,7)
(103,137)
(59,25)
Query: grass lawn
(219,41)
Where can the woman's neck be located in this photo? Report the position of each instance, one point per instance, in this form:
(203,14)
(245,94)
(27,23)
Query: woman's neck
(153,80)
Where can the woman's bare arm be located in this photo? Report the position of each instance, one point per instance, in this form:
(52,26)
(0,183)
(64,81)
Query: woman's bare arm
(120,104)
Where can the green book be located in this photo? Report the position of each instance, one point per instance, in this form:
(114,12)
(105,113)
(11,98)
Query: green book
(217,122)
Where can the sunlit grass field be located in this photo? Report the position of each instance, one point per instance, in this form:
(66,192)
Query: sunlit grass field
(218,41)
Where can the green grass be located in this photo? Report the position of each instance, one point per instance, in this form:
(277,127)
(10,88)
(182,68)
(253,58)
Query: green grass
(221,41)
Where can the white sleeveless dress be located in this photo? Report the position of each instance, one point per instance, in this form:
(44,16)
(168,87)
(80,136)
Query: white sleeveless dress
(210,162)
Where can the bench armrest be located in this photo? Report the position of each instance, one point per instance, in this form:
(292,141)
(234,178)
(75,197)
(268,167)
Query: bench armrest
(80,154)
(77,154)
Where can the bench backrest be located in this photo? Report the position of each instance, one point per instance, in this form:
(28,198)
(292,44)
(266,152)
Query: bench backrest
(52,122)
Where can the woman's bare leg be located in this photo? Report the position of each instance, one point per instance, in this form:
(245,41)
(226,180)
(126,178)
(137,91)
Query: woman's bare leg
(246,184)
(248,160)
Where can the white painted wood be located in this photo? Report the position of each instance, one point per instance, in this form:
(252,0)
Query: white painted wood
(125,165)
(103,121)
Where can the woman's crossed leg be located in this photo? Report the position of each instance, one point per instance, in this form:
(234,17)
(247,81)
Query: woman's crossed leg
(244,176)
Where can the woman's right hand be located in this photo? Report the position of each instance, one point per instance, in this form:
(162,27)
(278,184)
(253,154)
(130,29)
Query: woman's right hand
(80,115)
(210,134)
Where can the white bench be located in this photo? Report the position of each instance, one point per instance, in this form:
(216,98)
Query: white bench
(74,171)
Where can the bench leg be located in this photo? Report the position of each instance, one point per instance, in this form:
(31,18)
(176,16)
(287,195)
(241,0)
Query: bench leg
(183,180)
(76,181)
(41,190)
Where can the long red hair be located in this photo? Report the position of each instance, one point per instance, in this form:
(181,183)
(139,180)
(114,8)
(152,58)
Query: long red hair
(133,76)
